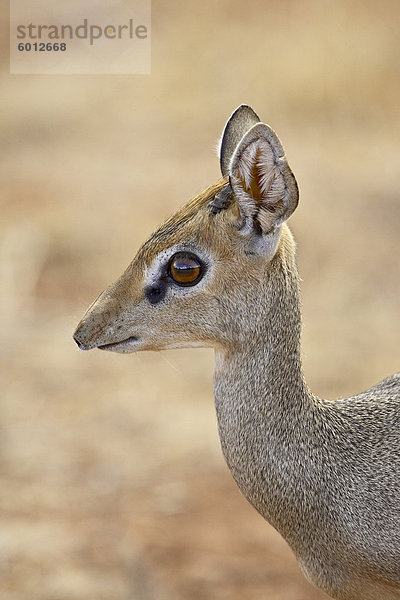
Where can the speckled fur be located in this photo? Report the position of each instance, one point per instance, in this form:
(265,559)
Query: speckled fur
(325,474)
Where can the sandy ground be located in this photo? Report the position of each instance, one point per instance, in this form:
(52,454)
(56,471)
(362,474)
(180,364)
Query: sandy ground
(112,482)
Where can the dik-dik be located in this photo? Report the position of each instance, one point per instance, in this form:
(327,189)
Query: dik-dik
(222,273)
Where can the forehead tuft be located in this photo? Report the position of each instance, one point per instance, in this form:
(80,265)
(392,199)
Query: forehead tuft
(169,233)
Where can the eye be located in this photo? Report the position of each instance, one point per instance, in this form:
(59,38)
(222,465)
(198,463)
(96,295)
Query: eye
(185,268)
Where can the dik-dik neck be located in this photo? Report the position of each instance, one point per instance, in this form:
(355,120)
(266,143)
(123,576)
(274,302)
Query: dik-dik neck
(264,407)
(263,370)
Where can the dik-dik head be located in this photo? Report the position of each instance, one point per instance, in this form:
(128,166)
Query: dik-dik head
(201,279)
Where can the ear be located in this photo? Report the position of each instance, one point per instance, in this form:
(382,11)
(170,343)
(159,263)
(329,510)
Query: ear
(264,187)
(240,121)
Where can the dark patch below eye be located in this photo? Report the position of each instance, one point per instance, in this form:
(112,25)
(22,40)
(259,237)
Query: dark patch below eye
(156,293)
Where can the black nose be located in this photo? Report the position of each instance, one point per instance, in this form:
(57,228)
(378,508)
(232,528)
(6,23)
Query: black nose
(80,345)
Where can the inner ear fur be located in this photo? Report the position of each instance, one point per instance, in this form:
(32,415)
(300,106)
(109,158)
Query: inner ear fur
(240,121)
(263,184)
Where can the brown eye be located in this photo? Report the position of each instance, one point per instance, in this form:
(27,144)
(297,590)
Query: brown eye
(185,268)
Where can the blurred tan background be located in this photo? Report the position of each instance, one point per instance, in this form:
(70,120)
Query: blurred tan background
(113,486)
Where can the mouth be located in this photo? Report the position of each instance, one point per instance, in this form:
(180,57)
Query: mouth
(122,346)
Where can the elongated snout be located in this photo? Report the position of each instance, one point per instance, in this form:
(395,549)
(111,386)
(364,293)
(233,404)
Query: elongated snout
(84,338)
(95,326)
(77,338)
(113,321)
(105,324)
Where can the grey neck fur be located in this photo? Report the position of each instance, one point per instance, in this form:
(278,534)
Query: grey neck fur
(260,416)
